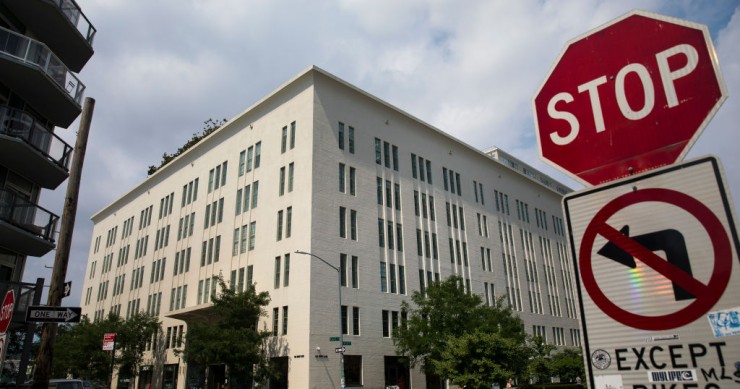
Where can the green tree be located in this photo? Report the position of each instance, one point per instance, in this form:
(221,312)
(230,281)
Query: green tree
(539,364)
(446,322)
(568,364)
(477,359)
(79,348)
(209,126)
(231,336)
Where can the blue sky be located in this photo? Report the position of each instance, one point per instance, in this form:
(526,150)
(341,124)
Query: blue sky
(470,68)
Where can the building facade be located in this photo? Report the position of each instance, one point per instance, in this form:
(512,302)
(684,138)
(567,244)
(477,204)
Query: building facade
(43,44)
(322,167)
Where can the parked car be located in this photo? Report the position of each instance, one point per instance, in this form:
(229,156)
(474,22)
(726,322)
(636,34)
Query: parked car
(66,384)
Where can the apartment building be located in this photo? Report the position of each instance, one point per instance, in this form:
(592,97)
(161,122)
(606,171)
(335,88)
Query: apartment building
(43,43)
(323,167)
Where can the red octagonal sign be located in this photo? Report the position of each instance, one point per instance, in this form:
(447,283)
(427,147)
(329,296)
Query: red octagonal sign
(630,96)
(6,311)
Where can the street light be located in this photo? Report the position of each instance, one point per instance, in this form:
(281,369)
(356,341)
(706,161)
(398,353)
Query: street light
(341,333)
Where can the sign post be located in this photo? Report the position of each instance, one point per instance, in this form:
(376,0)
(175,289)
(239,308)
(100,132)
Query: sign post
(109,344)
(658,278)
(627,97)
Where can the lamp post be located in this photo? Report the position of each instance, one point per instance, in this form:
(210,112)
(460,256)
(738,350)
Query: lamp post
(341,333)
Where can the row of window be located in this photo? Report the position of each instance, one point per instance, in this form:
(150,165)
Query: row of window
(386,154)
(284,264)
(217,176)
(165,205)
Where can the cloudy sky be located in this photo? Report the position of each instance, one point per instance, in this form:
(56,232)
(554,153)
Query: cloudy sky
(470,68)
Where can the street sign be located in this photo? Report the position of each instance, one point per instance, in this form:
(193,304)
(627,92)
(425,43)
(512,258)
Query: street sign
(340,349)
(627,97)
(346,343)
(656,258)
(334,339)
(45,314)
(6,310)
(109,341)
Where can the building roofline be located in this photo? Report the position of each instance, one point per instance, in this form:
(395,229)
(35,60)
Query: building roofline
(311,70)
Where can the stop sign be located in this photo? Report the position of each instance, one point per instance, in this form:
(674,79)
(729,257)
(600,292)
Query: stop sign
(629,96)
(6,310)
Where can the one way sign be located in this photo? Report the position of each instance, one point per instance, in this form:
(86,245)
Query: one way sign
(45,314)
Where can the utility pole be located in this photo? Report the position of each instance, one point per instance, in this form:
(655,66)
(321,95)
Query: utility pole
(42,373)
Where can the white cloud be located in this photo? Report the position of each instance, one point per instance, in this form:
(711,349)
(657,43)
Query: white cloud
(470,68)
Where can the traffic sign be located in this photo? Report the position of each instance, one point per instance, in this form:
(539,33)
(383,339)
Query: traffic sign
(656,258)
(6,310)
(109,341)
(340,349)
(46,314)
(616,104)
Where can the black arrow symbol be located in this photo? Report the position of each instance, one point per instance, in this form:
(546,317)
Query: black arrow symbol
(669,241)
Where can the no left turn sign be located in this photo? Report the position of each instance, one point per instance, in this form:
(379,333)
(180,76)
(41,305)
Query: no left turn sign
(705,295)
(656,259)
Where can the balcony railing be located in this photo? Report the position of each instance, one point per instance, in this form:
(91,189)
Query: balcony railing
(72,11)
(37,54)
(27,215)
(18,124)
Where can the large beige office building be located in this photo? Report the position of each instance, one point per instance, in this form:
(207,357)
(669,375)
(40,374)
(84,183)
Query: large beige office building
(323,167)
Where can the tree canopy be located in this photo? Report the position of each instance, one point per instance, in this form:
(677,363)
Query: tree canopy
(231,336)
(451,334)
(79,350)
(209,126)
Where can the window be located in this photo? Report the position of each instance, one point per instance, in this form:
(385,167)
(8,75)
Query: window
(284,141)
(250,158)
(355,321)
(277,272)
(275,320)
(242,162)
(378,152)
(381,234)
(386,324)
(344,320)
(279,225)
(355,272)
(340,135)
(351,138)
(352,186)
(257,154)
(255,193)
(387,154)
(379,189)
(285,320)
(252,234)
(341,178)
(383,278)
(281,188)
(342,222)
(343,269)
(288,221)
(292,135)
(291,169)
(286,270)
(353,224)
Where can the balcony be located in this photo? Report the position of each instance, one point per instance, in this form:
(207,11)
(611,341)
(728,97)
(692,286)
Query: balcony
(35,74)
(32,150)
(25,227)
(61,25)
